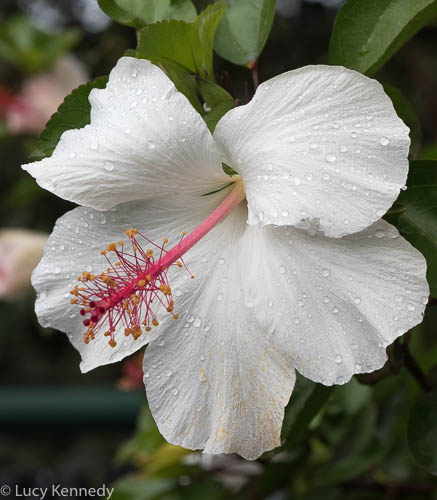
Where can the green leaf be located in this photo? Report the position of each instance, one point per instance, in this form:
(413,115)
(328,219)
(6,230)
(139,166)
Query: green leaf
(28,48)
(429,152)
(185,82)
(74,112)
(415,214)
(139,13)
(367,33)
(422,432)
(407,113)
(216,102)
(190,45)
(306,401)
(244,29)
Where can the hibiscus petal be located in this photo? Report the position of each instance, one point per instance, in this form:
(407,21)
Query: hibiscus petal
(145,140)
(335,303)
(74,247)
(321,144)
(214,381)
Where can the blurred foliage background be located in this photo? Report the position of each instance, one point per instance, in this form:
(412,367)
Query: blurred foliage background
(59,426)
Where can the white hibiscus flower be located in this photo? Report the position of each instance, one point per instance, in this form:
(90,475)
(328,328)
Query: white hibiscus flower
(300,274)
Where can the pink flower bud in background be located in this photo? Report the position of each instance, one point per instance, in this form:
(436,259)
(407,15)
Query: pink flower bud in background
(20,252)
(42,94)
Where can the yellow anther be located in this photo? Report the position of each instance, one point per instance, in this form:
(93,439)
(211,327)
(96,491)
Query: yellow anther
(75,291)
(131,232)
(73,301)
(117,264)
(136,332)
(102,252)
(179,264)
(184,233)
(155,322)
(165,240)
(192,276)
(141,282)
(112,247)
(120,243)
(107,334)
(112,343)
(148,277)
(149,253)
(148,328)
(175,316)
(127,331)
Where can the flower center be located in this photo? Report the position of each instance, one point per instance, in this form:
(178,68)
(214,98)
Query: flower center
(136,281)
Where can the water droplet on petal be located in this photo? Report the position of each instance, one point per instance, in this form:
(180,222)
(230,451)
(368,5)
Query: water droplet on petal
(151,145)
(109,165)
(338,359)
(330,158)
(326,273)
(175,392)
(384,141)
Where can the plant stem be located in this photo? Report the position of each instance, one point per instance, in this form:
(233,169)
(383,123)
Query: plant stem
(255,75)
(415,370)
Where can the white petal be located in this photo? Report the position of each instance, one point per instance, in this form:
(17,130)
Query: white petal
(213,380)
(336,303)
(74,247)
(145,140)
(320,144)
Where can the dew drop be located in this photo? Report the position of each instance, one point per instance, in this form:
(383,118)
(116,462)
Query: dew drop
(151,145)
(338,359)
(326,273)
(57,270)
(109,165)
(147,375)
(190,318)
(175,392)
(335,310)
(102,219)
(282,269)
(219,297)
(326,176)
(330,158)
(379,234)
(357,300)
(384,141)
(197,322)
